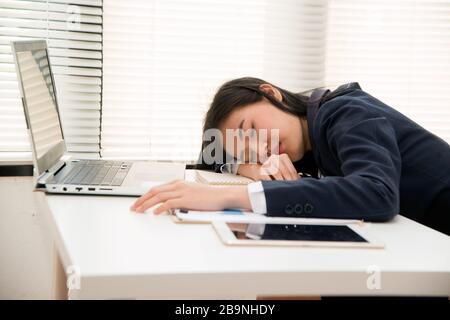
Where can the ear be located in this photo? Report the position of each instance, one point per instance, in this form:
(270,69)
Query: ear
(271,90)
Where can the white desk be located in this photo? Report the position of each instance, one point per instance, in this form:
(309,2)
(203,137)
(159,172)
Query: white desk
(121,254)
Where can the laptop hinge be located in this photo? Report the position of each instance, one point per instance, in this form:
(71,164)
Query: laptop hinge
(43,178)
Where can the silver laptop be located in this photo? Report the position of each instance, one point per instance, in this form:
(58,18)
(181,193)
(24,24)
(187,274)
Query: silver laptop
(57,173)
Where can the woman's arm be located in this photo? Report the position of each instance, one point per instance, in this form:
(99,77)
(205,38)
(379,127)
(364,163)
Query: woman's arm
(366,147)
(195,196)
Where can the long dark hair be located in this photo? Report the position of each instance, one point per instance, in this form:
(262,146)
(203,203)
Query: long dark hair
(242,92)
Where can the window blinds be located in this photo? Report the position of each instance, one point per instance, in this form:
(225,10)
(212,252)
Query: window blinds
(164,60)
(399,51)
(73,30)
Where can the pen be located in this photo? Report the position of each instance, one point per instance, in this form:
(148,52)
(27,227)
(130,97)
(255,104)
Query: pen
(300,174)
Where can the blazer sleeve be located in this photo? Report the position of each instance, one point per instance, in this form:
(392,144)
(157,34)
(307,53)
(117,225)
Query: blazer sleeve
(364,144)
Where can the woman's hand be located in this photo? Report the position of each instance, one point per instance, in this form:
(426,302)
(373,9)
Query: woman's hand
(276,167)
(180,194)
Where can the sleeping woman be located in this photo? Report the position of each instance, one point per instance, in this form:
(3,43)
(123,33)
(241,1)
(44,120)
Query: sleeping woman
(361,158)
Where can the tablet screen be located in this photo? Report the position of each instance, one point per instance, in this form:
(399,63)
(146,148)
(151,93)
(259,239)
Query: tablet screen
(257,231)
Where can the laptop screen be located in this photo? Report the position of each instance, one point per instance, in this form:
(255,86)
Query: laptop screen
(39,94)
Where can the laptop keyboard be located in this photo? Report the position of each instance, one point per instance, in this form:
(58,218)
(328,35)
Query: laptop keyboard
(98,172)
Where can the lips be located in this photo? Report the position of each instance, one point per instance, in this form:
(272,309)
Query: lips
(280,149)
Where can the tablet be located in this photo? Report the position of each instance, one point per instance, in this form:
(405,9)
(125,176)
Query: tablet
(282,234)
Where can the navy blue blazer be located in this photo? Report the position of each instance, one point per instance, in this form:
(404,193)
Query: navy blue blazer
(376,163)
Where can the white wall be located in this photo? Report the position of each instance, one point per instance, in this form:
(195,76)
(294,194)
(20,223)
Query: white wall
(26,249)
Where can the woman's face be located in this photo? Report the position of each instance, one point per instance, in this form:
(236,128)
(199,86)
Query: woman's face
(292,131)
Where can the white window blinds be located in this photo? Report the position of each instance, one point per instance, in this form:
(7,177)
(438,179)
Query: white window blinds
(73,30)
(164,60)
(399,51)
